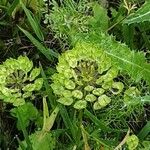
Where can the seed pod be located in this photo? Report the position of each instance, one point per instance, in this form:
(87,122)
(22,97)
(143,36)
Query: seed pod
(90,98)
(117,87)
(132,142)
(65,101)
(89,88)
(77,94)
(69,84)
(102,102)
(98,91)
(15,84)
(81,104)
(87,72)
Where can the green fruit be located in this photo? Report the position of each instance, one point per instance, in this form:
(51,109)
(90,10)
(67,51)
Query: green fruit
(102,102)
(77,94)
(90,98)
(81,104)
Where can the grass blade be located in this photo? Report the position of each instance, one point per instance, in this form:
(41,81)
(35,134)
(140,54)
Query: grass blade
(68,123)
(145,131)
(47,52)
(12,7)
(48,119)
(96,121)
(34,24)
(51,97)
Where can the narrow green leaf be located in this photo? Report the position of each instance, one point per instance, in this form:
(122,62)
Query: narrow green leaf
(34,24)
(49,91)
(68,123)
(141,15)
(96,121)
(47,52)
(48,120)
(12,7)
(85,138)
(145,99)
(3,7)
(45,113)
(4,23)
(145,131)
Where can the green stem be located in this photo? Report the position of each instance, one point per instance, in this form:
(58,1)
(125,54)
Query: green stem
(110,28)
(79,135)
(80,117)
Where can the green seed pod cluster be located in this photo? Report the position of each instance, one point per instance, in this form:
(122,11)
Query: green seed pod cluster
(130,96)
(85,75)
(132,142)
(18,79)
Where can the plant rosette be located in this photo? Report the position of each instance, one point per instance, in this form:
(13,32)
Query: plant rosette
(85,75)
(18,80)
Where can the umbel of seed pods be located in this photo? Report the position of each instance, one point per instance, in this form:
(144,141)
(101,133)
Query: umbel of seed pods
(85,75)
(18,80)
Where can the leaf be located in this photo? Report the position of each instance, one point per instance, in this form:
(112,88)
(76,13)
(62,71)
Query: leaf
(20,116)
(145,99)
(27,113)
(85,138)
(68,122)
(96,121)
(40,140)
(141,15)
(144,131)
(48,120)
(145,145)
(34,24)
(49,92)
(47,52)
(100,19)
(130,62)
(12,7)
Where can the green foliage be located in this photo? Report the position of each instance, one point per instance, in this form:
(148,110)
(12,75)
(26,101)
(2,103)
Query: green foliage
(41,140)
(141,15)
(48,120)
(99,20)
(33,22)
(131,62)
(144,131)
(27,113)
(103,101)
(131,95)
(18,80)
(145,145)
(33,4)
(85,74)
(70,18)
(47,52)
(99,75)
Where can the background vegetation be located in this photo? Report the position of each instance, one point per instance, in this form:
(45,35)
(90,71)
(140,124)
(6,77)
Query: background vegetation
(37,37)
